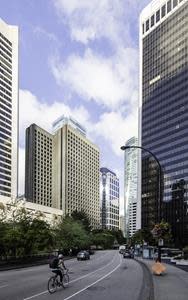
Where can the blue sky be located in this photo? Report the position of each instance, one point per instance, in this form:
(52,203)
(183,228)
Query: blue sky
(79,58)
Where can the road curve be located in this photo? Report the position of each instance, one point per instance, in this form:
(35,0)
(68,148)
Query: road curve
(105,276)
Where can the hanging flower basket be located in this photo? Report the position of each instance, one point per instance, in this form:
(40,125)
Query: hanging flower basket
(161,231)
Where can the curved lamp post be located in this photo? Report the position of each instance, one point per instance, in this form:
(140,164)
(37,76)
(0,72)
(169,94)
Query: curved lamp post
(160,185)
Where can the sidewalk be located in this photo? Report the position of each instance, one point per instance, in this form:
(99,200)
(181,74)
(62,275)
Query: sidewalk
(173,285)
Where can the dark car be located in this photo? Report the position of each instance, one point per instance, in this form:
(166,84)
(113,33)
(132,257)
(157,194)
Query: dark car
(128,254)
(83,255)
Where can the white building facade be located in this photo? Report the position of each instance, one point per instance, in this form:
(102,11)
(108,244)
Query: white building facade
(8,111)
(43,212)
(131,187)
(109,199)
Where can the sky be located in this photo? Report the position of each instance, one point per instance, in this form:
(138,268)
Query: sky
(79,58)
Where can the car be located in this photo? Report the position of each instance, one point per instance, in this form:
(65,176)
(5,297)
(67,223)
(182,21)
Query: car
(128,254)
(83,255)
(91,251)
(122,249)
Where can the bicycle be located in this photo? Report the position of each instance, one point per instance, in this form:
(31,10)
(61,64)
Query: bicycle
(54,283)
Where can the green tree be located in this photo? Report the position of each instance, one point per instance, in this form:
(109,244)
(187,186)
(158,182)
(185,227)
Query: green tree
(119,236)
(24,233)
(103,238)
(71,234)
(142,235)
(82,217)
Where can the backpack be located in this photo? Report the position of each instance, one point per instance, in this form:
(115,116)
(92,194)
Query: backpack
(54,263)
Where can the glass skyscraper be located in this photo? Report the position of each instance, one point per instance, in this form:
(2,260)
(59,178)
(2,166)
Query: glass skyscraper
(164,114)
(130,187)
(109,199)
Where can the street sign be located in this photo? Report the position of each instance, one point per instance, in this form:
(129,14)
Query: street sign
(161,242)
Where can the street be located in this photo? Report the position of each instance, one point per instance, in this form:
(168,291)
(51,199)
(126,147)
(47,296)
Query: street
(105,276)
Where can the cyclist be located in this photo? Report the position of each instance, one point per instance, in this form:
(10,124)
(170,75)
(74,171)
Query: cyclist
(60,267)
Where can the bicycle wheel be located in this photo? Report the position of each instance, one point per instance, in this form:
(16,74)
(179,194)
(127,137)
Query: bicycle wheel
(65,280)
(52,285)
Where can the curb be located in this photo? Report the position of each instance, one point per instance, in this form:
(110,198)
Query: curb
(147,290)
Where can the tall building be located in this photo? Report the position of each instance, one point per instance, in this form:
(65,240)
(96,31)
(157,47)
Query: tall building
(76,162)
(38,166)
(109,199)
(164,114)
(122,224)
(130,187)
(63,120)
(62,170)
(8,111)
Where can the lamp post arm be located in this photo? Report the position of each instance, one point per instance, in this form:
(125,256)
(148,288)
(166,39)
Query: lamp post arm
(152,154)
(160,185)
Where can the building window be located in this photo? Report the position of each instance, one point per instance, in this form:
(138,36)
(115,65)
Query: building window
(147,25)
(169,6)
(158,16)
(143,28)
(175,3)
(163,11)
(152,20)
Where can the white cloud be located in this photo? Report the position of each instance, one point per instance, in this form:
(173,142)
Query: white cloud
(107,81)
(116,129)
(32,110)
(39,31)
(90,20)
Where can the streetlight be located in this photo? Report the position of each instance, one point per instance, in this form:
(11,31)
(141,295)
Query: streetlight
(160,185)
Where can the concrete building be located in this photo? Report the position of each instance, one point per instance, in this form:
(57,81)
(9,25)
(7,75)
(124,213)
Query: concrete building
(38,166)
(131,188)
(48,214)
(62,170)
(76,166)
(8,111)
(109,199)
(164,114)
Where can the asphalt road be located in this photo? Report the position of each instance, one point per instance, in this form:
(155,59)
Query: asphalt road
(105,276)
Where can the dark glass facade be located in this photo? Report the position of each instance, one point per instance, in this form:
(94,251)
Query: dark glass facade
(165,123)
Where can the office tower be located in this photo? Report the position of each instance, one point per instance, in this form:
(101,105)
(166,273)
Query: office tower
(130,187)
(63,120)
(76,162)
(62,169)
(38,166)
(122,224)
(109,199)
(8,111)
(164,114)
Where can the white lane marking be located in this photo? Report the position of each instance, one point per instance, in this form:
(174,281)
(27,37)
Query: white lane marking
(36,295)
(2,286)
(100,279)
(93,271)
